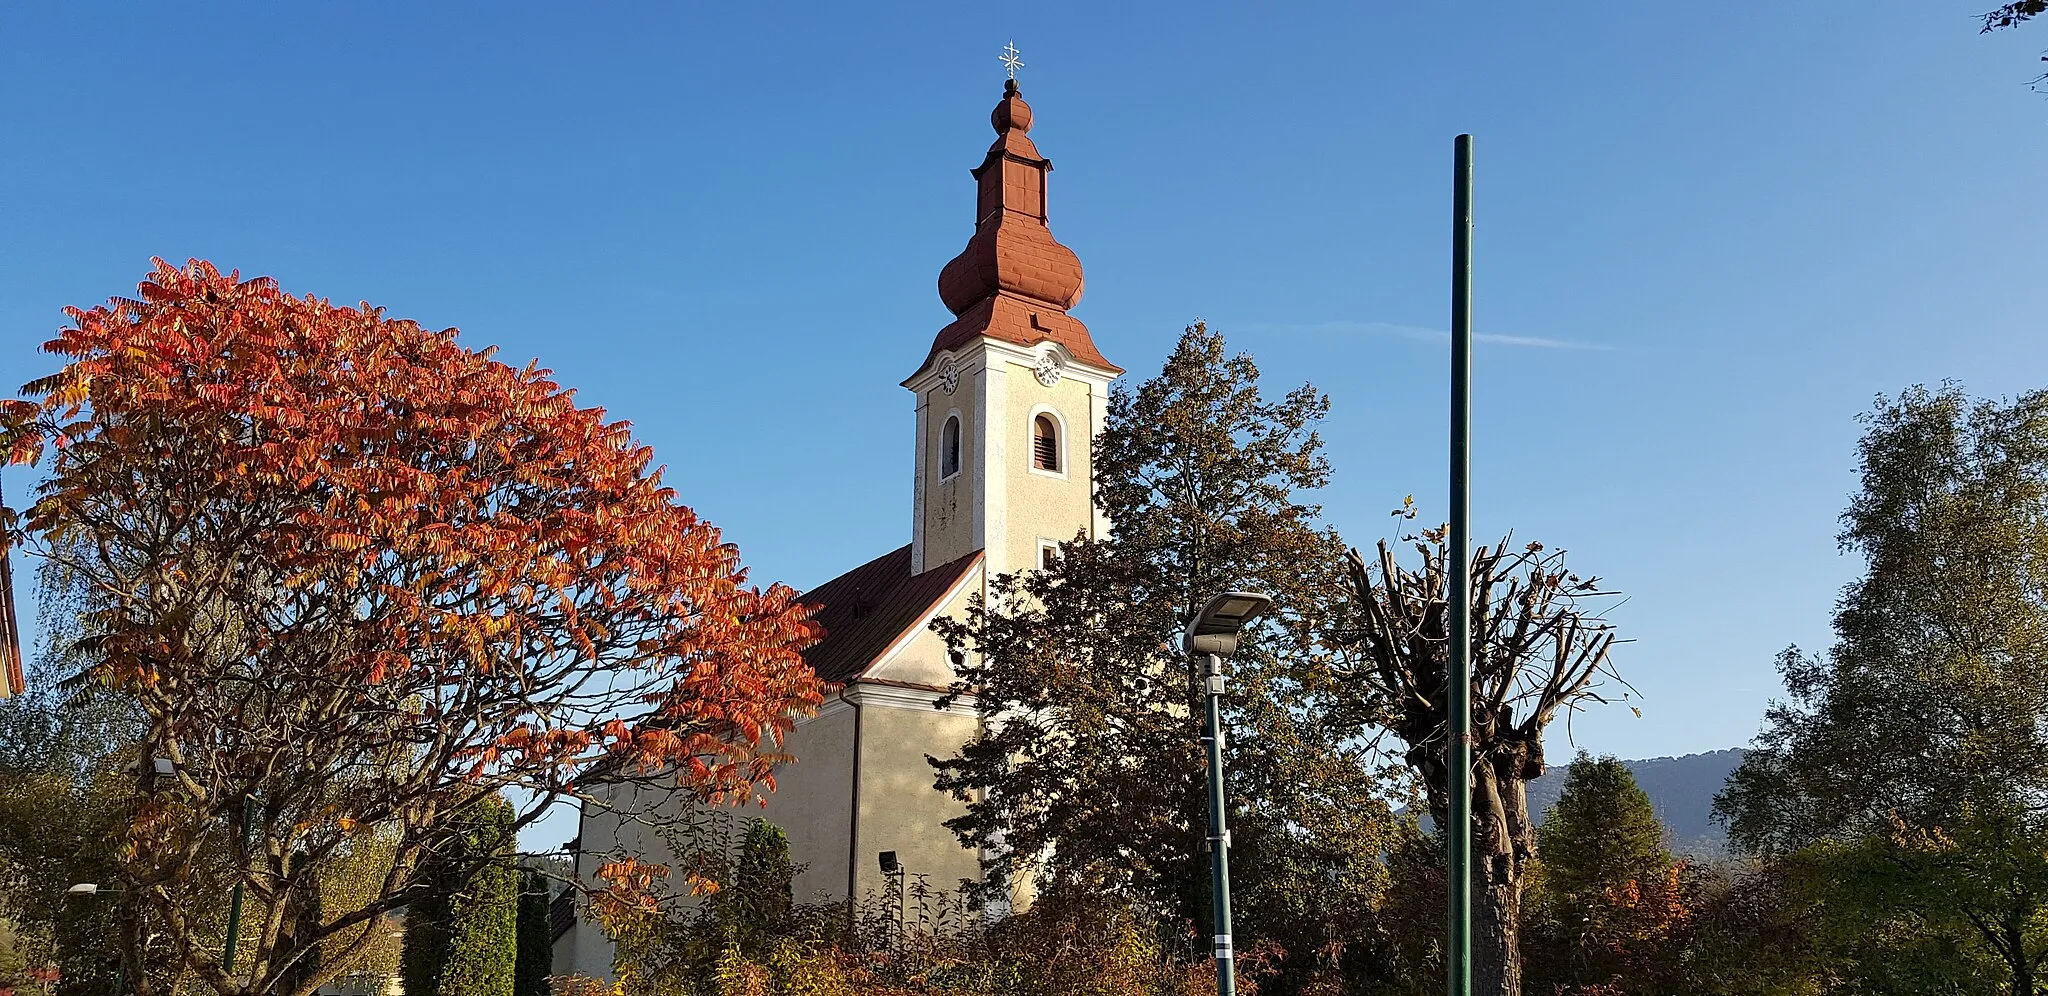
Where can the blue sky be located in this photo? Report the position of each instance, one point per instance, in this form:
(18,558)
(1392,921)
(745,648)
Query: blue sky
(1708,235)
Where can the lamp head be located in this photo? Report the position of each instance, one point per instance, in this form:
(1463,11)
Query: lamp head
(1215,627)
(890,866)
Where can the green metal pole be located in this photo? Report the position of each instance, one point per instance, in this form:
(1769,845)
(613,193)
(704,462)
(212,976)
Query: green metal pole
(1219,831)
(1458,833)
(227,961)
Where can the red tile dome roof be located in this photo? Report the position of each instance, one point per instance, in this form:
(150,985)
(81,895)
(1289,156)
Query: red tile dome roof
(1014,281)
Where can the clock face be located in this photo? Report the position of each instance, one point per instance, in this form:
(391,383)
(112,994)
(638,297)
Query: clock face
(949,375)
(1048,369)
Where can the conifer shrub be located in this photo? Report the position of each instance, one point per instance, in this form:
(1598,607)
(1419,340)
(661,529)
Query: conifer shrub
(536,936)
(462,938)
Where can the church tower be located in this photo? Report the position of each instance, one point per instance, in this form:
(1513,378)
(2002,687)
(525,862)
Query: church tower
(1012,393)
(1010,397)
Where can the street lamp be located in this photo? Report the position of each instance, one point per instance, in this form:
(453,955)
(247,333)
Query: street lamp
(1211,636)
(92,889)
(893,874)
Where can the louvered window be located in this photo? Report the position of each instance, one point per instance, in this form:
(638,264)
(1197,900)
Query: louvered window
(949,447)
(1045,443)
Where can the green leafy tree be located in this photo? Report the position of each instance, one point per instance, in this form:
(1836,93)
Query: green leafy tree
(461,936)
(68,781)
(1086,773)
(1755,933)
(536,936)
(1906,768)
(1608,904)
(1403,952)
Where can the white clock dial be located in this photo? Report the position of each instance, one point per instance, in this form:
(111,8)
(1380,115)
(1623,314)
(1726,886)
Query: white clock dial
(1048,369)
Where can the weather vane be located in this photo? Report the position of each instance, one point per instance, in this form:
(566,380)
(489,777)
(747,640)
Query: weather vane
(1010,60)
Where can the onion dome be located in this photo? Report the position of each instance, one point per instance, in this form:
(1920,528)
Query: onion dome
(1014,281)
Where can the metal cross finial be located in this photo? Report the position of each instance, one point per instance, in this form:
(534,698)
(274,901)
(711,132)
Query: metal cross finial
(1010,60)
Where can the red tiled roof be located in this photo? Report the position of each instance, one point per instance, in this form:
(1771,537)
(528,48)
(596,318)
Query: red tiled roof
(1017,320)
(866,609)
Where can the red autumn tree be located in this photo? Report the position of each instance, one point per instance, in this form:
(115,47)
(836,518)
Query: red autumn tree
(355,577)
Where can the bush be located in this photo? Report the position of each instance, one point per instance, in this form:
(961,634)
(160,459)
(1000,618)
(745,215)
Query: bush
(462,939)
(536,937)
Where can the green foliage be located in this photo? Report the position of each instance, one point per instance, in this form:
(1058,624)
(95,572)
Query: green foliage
(1602,835)
(758,906)
(461,937)
(1607,903)
(1902,779)
(1067,943)
(536,936)
(1086,772)
(67,785)
(1403,953)
(1755,934)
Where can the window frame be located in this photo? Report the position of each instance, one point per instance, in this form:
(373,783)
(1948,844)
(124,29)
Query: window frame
(1059,442)
(1047,547)
(958,427)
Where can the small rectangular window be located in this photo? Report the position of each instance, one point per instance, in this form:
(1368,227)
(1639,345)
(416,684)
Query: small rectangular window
(1048,554)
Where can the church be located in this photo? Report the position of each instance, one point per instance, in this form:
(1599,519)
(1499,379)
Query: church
(1007,400)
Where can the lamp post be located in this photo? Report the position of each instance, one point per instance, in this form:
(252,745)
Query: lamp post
(91,890)
(1211,636)
(1458,834)
(893,874)
(227,961)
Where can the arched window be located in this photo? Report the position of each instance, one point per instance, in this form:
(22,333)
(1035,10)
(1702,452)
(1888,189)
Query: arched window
(1045,443)
(949,447)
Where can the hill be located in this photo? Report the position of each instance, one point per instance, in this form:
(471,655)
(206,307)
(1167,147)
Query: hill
(1680,788)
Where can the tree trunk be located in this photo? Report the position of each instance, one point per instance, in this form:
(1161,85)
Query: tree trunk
(2016,958)
(1496,929)
(1503,841)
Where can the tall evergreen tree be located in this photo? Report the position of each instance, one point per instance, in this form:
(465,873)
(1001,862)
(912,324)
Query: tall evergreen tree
(761,899)
(1087,769)
(536,936)
(461,936)
(1905,773)
(1602,835)
(1609,898)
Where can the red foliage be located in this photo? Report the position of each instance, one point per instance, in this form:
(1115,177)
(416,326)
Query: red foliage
(393,572)
(487,515)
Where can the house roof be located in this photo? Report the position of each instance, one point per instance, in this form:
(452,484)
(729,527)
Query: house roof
(865,610)
(561,915)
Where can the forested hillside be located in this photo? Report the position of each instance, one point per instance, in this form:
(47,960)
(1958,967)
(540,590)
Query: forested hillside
(1681,788)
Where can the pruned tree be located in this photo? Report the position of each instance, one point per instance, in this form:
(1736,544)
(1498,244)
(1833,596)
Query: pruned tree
(1537,652)
(354,575)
